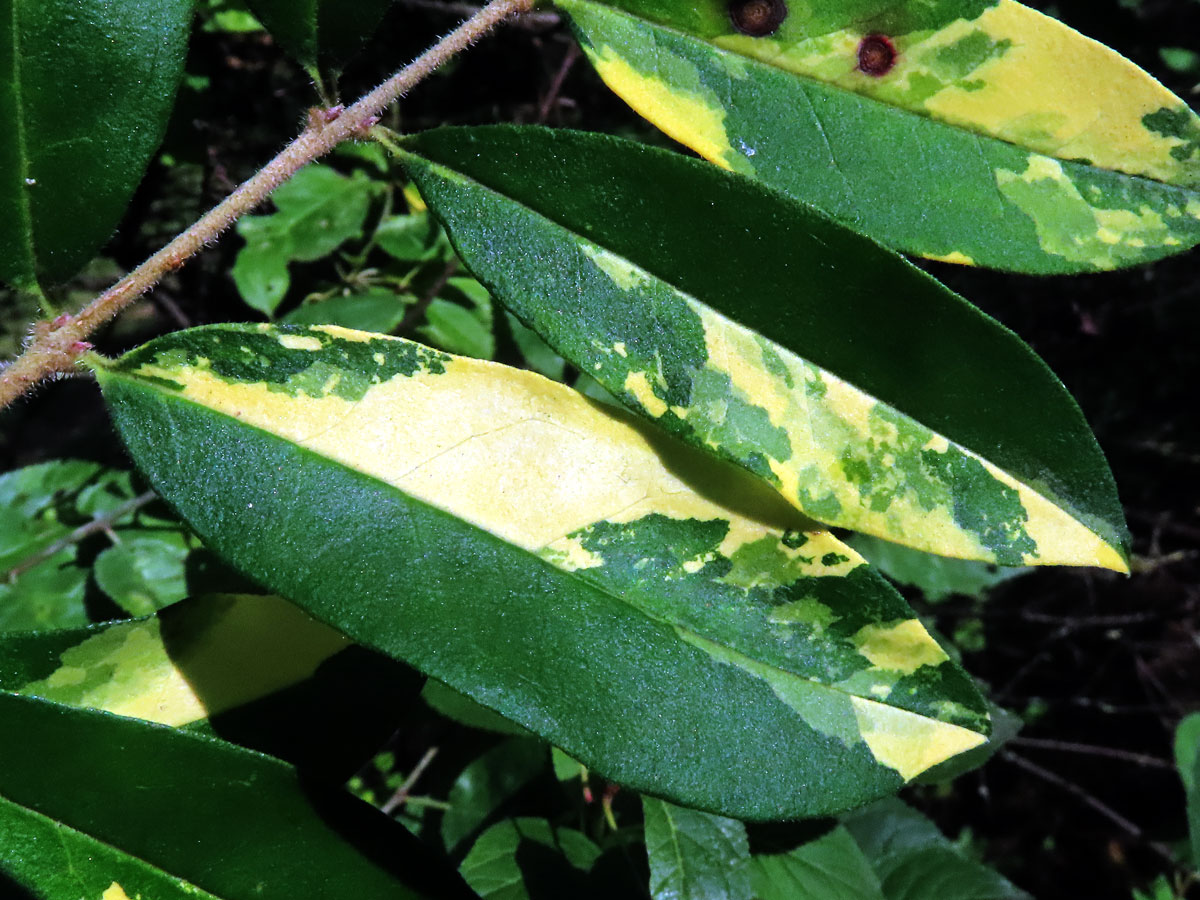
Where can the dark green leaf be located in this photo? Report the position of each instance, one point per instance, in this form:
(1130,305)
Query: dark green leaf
(538,354)
(695,855)
(487,783)
(915,861)
(705,643)
(320,32)
(832,867)
(936,577)
(89,800)
(868,394)
(86,88)
(1187,759)
(462,709)
(458,330)
(970,142)
(375,309)
(523,858)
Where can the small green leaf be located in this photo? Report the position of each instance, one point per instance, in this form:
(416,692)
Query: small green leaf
(409,238)
(657,614)
(1187,759)
(86,88)
(144,573)
(375,309)
(831,867)
(486,783)
(914,861)
(316,212)
(870,396)
(511,856)
(325,33)
(40,506)
(950,128)
(458,330)
(146,811)
(936,577)
(695,855)
(539,356)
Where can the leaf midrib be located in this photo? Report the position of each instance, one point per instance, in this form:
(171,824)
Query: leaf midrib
(586,584)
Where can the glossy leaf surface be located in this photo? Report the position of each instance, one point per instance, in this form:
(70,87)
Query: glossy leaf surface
(695,855)
(915,861)
(161,813)
(870,396)
(661,616)
(218,653)
(324,33)
(966,130)
(86,88)
(831,867)
(513,856)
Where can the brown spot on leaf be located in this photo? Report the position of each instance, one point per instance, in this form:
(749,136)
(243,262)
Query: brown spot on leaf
(876,55)
(757,18)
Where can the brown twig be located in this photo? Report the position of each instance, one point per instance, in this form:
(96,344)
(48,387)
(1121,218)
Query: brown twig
(55,346)
(1079,793)
(1139,759)
(100,523)
(399,798)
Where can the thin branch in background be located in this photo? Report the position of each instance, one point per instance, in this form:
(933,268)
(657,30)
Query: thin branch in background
(560,76)
(98,524)
(1140,759)
(414,314)
(1079,793)
(399,798)
(57,345)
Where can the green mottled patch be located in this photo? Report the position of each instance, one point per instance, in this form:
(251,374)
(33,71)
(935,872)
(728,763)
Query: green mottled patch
(982,505)
(1183,125)
(797,109)
(1079,219)
(762,599)
(110,668)
(722,416)
(315,363)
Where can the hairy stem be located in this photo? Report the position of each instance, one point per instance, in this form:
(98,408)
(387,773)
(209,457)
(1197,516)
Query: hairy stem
(55,346)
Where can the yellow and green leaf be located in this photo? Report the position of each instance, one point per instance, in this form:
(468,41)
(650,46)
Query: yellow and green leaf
(223,651)
(991,134)
(866,393)
(656,613)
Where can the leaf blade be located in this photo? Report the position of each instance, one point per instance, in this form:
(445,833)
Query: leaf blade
(222,803)
(86,89)
(973,467)
(695,855)
(538,544)
(1007,189)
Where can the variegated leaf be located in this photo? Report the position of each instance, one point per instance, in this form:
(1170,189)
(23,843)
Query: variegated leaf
(870,396)
(224,651)
(659,615)
(974,131)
